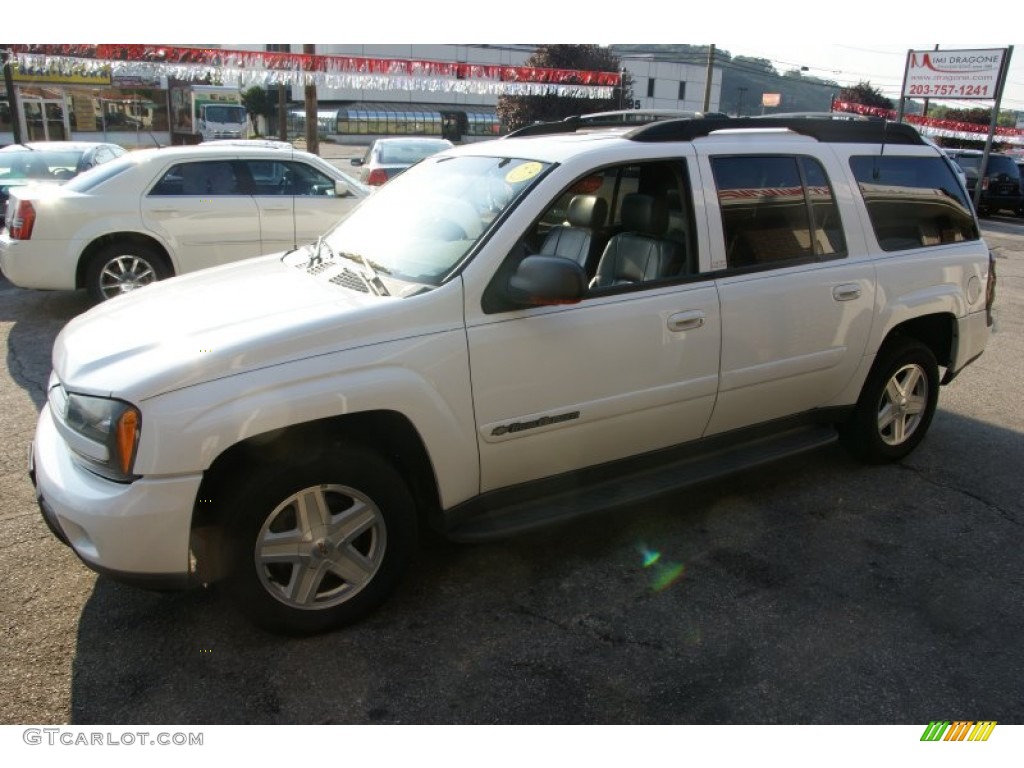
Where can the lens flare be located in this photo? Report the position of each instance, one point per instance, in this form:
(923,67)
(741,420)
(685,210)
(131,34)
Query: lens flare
(666,575)
(663,574)
(650,556)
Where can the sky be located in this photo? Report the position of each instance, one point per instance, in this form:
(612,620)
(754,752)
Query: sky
(844,41)
(849,63)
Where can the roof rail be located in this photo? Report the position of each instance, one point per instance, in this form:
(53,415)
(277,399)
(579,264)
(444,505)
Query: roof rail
(835,130)
(625,118)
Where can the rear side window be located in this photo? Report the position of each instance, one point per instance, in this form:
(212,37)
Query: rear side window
(202,179)
(776,210)
(86,182)
(913,202)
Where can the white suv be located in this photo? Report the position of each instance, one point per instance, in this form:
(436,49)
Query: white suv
(513,333)
(156,213)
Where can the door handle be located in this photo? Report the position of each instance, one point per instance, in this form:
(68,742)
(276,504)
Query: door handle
(685,321)
(846,292)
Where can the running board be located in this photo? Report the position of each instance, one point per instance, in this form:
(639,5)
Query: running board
(536,505)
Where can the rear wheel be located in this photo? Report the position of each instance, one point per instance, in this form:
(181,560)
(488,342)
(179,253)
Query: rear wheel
(123,267)
(318,545)
(896,405)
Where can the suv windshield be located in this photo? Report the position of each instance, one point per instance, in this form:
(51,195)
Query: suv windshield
(419,226)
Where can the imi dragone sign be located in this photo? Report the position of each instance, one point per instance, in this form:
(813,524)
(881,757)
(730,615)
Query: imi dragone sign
(953,74)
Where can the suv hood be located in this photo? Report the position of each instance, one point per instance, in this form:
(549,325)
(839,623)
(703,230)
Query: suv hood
(214,323)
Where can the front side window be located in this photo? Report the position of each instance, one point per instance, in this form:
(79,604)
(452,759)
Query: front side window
(626,225)
(776,210)
(277,177)
(913,202)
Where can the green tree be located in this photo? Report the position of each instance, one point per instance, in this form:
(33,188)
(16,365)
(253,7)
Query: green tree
(257,103)
(865,93)
(517,111)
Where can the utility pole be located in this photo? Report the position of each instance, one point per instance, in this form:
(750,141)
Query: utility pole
(739,105)
(707,82)
(312,124)
(282,94)
(12,99)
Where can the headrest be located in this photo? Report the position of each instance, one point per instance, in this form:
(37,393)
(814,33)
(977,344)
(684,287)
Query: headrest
(644,214)
(587,211)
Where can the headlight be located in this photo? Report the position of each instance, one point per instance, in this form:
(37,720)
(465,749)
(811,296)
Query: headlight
(103,433)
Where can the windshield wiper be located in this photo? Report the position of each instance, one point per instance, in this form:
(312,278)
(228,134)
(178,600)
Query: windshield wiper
(375,278)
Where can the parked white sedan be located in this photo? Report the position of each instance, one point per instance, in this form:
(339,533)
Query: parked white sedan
(156,213)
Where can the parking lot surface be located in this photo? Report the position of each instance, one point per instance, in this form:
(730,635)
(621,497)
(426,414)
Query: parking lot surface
(817,590)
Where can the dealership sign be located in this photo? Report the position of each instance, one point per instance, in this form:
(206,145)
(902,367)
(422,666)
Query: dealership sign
(953,74)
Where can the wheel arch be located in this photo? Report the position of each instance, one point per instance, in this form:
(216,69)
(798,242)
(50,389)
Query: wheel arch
(103,241)
(937,331)
(388,433)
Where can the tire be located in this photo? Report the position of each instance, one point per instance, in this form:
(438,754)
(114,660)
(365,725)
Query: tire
(896,405)
(317,546)
(122,267)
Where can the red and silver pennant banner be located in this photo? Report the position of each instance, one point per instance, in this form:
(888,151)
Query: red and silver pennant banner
(930,126)
(264,68)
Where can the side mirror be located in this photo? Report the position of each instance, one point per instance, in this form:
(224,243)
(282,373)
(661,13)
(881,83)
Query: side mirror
(544,280)
(341,189)
(356,161)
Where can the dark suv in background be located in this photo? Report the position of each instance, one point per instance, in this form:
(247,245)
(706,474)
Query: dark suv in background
(1001,187)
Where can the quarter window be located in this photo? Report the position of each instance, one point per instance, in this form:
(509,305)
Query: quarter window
(913,202)
(776,210)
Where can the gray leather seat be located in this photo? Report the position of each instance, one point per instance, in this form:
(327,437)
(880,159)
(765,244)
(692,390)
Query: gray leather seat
(576,241)
(639,253)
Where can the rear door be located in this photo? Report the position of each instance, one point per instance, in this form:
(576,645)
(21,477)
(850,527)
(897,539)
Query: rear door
(200,209)
(796,311)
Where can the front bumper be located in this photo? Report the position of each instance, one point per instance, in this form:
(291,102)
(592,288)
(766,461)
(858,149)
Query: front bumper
(137,532)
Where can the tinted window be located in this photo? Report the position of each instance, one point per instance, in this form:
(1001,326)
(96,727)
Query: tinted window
(276,177)
(776,209)
(212,177)
(913,202)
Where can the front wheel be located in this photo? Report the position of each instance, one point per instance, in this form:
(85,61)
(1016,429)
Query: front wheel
(122,267)
(896,405)
(317,546)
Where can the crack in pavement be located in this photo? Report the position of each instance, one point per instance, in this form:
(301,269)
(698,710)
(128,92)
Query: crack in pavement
(1004,513)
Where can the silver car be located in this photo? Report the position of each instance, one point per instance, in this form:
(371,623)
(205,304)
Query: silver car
(386,158)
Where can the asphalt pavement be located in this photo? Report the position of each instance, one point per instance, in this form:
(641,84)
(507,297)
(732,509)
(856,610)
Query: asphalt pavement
(817,590)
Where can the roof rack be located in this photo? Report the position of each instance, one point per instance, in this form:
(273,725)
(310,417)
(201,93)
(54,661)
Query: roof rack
(828,128)
(625,118)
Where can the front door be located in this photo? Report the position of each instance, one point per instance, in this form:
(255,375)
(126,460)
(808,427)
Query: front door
(631,368)
(45,119)
(561,389)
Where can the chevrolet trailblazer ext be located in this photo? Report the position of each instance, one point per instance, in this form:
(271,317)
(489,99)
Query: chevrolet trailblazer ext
(512,333)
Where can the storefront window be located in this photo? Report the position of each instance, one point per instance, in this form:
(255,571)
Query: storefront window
(6,124)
